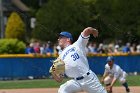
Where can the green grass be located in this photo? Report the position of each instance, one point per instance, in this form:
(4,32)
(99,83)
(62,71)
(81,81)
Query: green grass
(49,83)
(37,83)
(132,81)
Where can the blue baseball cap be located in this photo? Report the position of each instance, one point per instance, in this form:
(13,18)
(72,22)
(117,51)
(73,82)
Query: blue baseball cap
(66,34)
(110,58)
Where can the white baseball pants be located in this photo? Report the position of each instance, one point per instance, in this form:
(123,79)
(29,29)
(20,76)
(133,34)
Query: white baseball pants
(89,83)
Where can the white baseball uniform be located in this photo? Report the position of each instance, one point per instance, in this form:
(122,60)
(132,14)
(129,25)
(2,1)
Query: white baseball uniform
(77,67)
(116,72)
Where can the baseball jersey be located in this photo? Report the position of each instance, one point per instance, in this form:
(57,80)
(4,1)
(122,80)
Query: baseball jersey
(116,71)
(74,57)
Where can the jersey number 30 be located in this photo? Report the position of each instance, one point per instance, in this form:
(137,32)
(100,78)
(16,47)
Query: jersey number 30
(75,56)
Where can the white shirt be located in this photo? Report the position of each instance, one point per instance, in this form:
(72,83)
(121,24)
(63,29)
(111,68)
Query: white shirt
(74,57)
(116,71)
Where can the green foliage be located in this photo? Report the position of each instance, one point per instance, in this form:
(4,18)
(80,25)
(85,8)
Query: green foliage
(11,46)
(115,19)
(121,18)
(31,3)
(15,27)
(61,15)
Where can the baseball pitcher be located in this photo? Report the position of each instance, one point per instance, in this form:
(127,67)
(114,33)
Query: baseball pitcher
(74,62)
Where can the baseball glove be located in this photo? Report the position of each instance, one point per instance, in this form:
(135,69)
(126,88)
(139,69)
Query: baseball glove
(58,67)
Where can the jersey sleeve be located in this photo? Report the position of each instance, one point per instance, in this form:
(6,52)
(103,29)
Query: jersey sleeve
(106,69)
(82,41)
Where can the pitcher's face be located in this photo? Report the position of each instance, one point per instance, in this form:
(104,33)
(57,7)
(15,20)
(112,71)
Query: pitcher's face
(62,41)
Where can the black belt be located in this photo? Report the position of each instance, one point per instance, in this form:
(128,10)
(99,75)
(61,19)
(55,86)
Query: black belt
(79,78)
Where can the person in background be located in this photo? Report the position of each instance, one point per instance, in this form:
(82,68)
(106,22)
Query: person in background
(116,49)
(92,48)
(37,47)
(101,49)
(30,49)
(110,48)
(126,49)
(112,73)
(42,49)
(138,48)
(133,48)
(49,48)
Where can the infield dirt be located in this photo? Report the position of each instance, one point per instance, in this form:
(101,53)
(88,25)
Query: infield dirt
(134,89)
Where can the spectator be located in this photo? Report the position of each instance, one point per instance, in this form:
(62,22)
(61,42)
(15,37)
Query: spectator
(133,48)
(92,48)
(116,49)
(126,49)
(37,47)
(27,49)
(49,48)
(42,49)
(30,49)
(110,48)
(100,48)
(138,48)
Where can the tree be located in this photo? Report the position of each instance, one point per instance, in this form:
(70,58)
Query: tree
(61,15)
(15,27)
(34,5)
(121,18)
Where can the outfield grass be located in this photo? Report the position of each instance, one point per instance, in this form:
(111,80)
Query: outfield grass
(36,83)
(49,83)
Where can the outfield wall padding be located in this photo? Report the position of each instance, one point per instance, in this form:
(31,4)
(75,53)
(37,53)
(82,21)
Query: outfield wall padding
(22,67)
